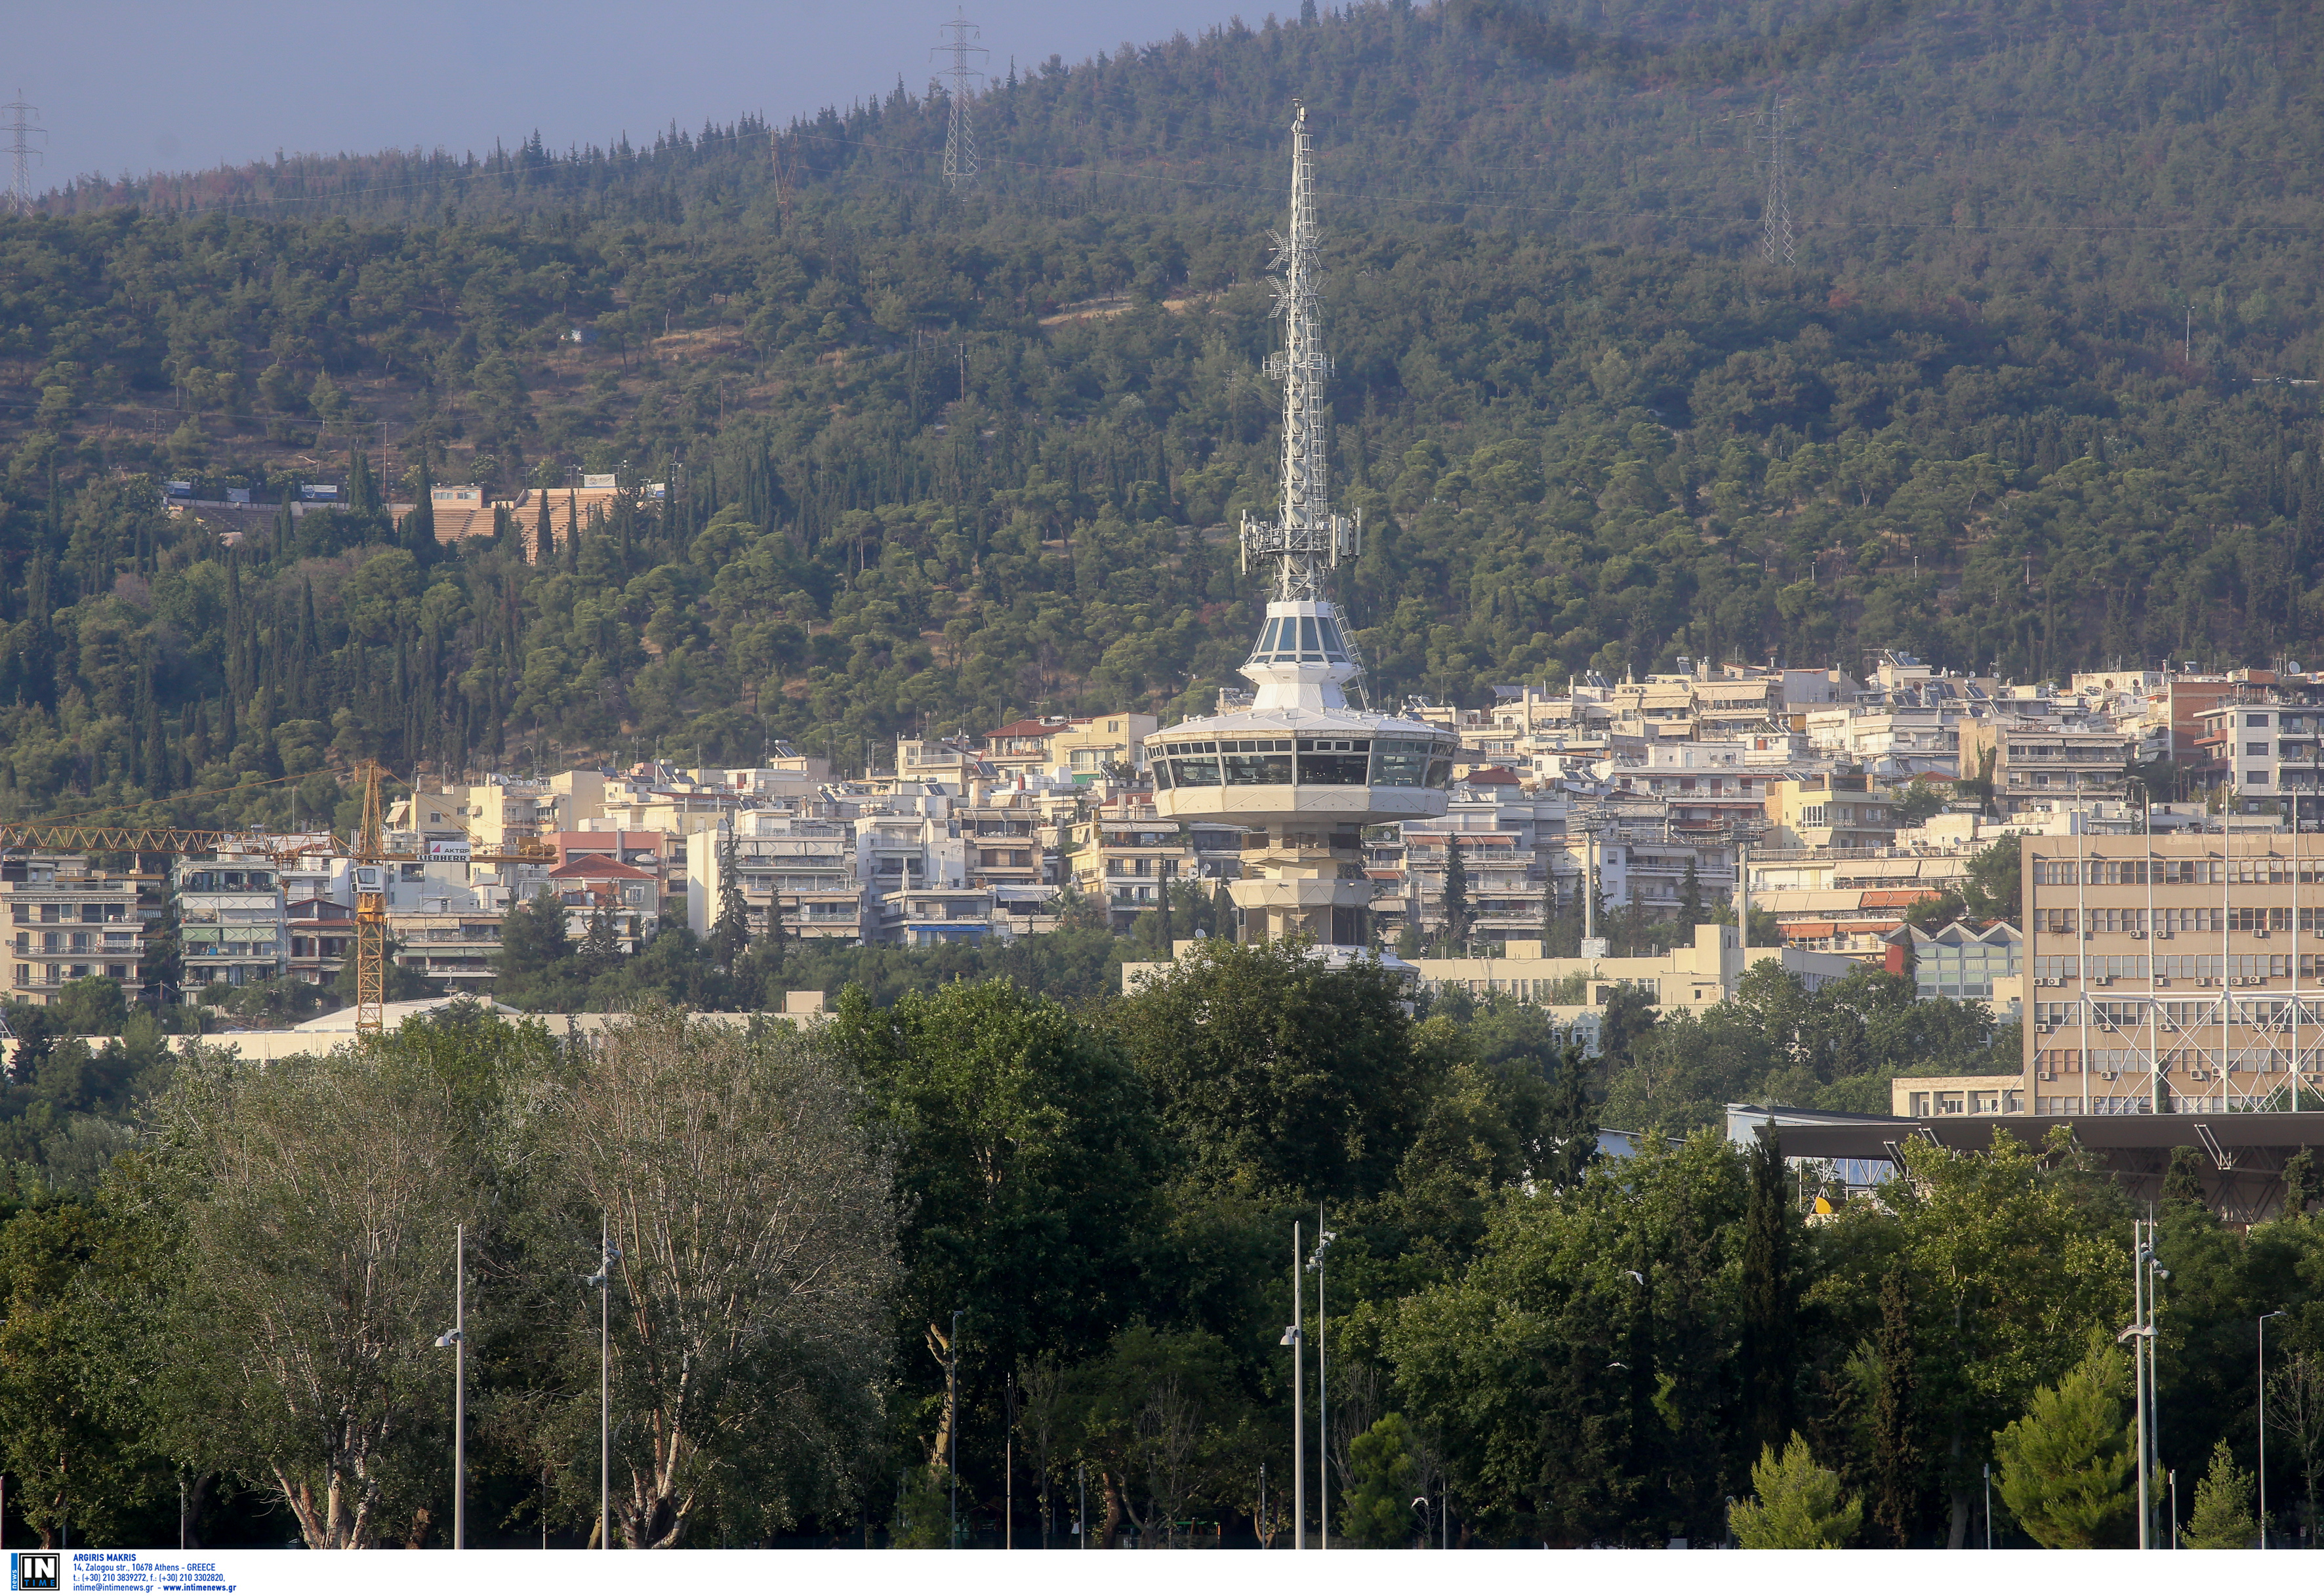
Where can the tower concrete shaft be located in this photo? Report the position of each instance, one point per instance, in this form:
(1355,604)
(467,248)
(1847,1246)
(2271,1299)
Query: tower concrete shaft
(1307,538)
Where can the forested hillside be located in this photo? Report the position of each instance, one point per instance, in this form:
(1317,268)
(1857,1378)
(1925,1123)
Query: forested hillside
(942,457)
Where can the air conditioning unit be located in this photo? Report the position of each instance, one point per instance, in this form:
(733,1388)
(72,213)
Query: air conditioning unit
(2162,981)
(2049,1075)
(2162,937)
(2138,936)
(2087,935)
(2259,932)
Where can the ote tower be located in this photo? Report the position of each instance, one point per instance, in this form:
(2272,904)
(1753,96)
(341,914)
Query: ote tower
(1301,770)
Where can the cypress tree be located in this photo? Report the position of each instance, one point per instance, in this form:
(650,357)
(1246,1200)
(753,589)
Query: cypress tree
(572,531)
(1456,895)
(1568,1120)
(419,526)
(157,761)
(1770,1338)
(544,539)
(1895,1455)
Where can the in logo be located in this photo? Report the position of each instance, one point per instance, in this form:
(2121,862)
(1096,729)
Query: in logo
(36,1570)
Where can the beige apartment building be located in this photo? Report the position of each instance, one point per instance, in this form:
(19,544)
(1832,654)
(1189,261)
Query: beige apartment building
(2173,974)
(1832,811)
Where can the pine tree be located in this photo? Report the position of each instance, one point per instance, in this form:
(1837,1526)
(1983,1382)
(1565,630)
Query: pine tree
(2065,1468)
(1895,1452)
(1383,1480)
(1770,1293)
(2223,1520)
(1795,1504)
(1456,896)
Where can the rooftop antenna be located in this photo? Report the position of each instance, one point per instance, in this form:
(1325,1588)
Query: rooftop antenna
(959,137)
(23,126)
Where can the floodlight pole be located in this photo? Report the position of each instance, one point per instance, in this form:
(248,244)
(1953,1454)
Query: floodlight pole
(2263,1318)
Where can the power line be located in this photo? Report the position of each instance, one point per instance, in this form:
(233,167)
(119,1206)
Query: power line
(960,135)
(23,128)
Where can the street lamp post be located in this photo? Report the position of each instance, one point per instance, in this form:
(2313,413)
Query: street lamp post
(1323,1240)
(2263,1318)
(1293,1336)
(456,1338)
(952,1424)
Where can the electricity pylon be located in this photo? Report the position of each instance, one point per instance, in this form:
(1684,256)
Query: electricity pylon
(959,137)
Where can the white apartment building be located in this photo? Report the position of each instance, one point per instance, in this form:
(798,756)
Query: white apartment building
(233,919)
(67,922)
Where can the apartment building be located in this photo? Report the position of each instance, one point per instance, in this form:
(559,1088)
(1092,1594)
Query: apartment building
(67,922)
(1829,811)
(504,810)
(2175,973)
(1085,747)
(2267,749)
(592,884)
(233,920)
(795,874)
(2033,765)
(1126,861)
(1002,844)
(454,946)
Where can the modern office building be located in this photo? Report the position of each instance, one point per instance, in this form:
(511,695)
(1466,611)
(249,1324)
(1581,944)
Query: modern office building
(2183,973)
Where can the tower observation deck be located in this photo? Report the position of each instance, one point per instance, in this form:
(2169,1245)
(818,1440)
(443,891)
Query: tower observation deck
(1302,772)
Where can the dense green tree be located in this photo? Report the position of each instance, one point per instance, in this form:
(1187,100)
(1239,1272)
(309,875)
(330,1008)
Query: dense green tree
(1794,1504)
(1284,1077)
(2222,1519)
(1029,1155)
(1383,1480)
(2065,1467)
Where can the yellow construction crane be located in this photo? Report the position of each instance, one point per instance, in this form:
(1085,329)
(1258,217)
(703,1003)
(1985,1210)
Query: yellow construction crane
(367,850)
(369,855)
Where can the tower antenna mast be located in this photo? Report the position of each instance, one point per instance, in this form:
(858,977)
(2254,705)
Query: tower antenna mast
(1307,538)
(23,126)
(960,135)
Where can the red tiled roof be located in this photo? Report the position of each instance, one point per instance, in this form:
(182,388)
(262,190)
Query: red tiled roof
(1492,776)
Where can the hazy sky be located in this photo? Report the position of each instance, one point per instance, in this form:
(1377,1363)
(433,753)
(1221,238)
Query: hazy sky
(180,85)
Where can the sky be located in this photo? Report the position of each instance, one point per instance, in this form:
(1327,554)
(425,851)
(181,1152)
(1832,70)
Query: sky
(152,85)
